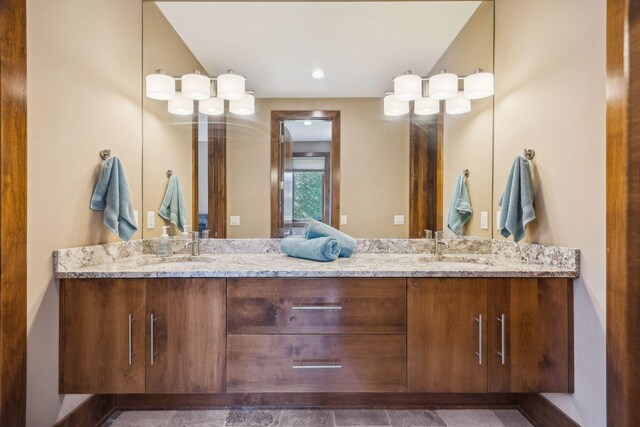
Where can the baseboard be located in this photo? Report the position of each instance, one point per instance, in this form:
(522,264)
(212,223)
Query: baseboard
(317,400)
(92,412)
(542,413)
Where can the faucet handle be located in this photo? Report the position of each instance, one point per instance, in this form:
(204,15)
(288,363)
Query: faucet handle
(195,235)
(439,235)
(205,234)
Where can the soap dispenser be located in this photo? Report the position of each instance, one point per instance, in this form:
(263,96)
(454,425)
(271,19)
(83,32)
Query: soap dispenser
(186,234)
(164,245)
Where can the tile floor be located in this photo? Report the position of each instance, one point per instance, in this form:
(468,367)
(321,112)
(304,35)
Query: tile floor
(320,418)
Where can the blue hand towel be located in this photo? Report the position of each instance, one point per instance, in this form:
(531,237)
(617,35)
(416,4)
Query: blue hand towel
(321,249)
(172,208)
(517,201)
(460,210)
(112,196)
(315,229)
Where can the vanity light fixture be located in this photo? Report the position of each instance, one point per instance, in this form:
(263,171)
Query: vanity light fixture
(243,106)
(407,87)
(180,105)
(317,74)
(459,104)
(395,107)
(427,92)
(210,92)
(160,86)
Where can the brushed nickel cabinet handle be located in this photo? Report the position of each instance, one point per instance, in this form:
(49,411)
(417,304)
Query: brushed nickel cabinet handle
(502,327)
(130,354)
(317,307)
(479,352)
(316,364)
(153,352)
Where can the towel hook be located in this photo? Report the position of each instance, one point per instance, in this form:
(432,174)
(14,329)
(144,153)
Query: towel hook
(105,154)
(465,172)
(169,173)
(529,153)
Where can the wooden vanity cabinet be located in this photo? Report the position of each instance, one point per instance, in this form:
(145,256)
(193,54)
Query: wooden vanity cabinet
(456,327)
(102,336)
(107,336)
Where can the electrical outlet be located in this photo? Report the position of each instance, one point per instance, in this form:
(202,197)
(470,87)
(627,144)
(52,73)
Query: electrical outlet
(151,219)
(398,220)
(343,220)
(136,217)
(498,220)
(234,220)
(484,220)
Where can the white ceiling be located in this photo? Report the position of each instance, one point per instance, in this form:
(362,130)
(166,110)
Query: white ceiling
(360,46)
(318,130)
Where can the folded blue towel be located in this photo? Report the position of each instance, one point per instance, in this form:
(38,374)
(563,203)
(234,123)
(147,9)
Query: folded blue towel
(173,208)
(517,201)
(112,196)
(460,210)
(315,229)
(320,249)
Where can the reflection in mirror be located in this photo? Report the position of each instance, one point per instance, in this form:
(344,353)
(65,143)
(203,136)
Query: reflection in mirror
(319,117)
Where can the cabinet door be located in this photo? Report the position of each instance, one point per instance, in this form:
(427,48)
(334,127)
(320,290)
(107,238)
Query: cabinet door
(186,335)
(446,335)
(102,348)
(538,335)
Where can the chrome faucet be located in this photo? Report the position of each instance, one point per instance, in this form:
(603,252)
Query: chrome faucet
(439,241)
(195,244)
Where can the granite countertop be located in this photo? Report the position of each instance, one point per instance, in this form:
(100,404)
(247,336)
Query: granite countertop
(279,265)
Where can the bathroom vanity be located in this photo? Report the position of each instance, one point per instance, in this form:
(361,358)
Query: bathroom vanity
(260,322)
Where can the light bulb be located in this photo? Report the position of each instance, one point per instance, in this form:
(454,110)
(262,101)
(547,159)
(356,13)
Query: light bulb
(196,86)
(407,87)
(230,86)
(426,106)
(211,106)
(395,107)
(180,105)
(160,86)
(243,106)
(443,86)
(479,85)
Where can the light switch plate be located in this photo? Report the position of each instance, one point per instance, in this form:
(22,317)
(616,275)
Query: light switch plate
(234,220)
(498,220)
(398,220)
(484,220)
(151,219)
(343,220)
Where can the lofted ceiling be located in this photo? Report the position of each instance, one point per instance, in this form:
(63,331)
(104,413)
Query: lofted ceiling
(360,46)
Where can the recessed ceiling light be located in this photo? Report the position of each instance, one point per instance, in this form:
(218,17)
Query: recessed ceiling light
(318,74)
(307,123)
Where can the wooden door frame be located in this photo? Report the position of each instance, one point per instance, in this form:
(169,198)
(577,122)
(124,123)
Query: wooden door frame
(623,212)
(13,213)
(217,176)
(329,115)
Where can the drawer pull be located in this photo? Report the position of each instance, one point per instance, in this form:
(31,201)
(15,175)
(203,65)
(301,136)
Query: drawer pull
(316,364)
(502,339)
(317,307)
(131,319)
(479,352)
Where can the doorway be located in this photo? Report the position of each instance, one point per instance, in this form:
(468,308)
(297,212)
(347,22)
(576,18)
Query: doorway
(305,170)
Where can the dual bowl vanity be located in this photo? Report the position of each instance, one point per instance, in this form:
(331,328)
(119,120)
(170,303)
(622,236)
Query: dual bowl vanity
(241,319)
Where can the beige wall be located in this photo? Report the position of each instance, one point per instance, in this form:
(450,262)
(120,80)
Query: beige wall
(550,96)
(468,138)
(84,89)
(167,137)
(374,167)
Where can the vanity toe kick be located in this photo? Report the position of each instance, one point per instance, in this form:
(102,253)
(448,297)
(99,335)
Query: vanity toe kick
(316,363)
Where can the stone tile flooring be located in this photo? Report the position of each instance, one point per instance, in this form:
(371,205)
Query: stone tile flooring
(320,418)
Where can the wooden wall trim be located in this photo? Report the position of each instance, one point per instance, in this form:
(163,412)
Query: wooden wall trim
(92,412)
(13,213)
(623,212)
(317,400)
(542,413)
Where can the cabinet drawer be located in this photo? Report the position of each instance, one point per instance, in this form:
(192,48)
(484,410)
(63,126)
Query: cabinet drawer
(316,363)
(316,306)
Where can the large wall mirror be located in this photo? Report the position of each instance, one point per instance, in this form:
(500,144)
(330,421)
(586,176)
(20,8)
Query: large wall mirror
(327,110)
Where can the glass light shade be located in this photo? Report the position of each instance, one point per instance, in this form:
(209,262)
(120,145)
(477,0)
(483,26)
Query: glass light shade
(180,105)
(230,87)
(478,85)
(211,106)
(395,107)
(160,86)
(426,106)
(407,87)
(243,106)
(196,86)
(459,104)
(443,86)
